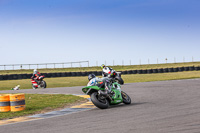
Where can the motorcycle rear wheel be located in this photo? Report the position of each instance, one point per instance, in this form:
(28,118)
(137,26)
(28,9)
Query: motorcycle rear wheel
(119,80)
(126,98)
(43,84)
(98,102)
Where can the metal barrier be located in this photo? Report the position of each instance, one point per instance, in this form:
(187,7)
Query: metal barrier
(45,65)
(99,73)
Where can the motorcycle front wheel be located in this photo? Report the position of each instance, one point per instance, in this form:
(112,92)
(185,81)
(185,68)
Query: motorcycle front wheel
(98,101)
(34,87)
(126,98)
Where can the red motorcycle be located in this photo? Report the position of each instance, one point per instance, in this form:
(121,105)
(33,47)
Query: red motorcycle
(39,82)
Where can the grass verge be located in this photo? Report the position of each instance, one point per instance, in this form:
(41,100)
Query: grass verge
(82,81)
(160,76)
(51,82)
(38,103)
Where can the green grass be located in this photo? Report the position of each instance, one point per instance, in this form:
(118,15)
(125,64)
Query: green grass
(51,82)
(117,68)
(37,103)
(82,81)
(133,78)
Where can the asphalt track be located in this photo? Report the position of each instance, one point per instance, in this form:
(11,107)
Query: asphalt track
(158,107)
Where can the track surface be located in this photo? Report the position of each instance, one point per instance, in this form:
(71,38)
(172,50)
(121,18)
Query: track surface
(158,107)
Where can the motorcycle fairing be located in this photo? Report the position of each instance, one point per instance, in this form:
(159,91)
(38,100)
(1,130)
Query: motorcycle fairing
(89,89)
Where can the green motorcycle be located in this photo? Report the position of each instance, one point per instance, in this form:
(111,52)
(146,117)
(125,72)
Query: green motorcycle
(104,101)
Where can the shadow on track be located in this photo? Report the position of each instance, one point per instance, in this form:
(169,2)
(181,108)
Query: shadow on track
(124,105)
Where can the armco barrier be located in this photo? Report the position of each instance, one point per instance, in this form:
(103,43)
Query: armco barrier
(165,70)
(15,76)
(160,70)
(99,73)
(58,74)
(197,68)
(48,75)
(95,72)
(44,74)
(180,69)
(82,73)
(78,74)
(149,71)
(134,71)
(7,77)
(19,76)
(1,77)
(144,71)
(69,74)
(186,68)
(139,71)
(54,74)
(175,69)
(62,74)
(29,76)
(24,76)
(90,72)
(124,72)
(191,68)
(170,69)
(155,70)
(73,74)
(129,72)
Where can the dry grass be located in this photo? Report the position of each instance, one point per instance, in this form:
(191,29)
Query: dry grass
(82,81)
(37,103)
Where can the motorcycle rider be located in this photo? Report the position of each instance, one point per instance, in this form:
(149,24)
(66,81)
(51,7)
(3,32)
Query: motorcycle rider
(101,83)
(36,76)
(107,71)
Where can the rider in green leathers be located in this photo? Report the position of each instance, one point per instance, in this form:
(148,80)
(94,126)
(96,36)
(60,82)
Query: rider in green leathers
(101,83)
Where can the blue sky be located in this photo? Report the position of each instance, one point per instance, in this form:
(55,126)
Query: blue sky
(43,31)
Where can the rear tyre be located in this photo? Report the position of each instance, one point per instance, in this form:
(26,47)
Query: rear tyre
(97,101)
(43,84)
(126,98)
(119,80)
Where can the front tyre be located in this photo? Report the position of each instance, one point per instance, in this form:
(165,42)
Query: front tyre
(98,102)
(34,87)
(43,84)
(126,98)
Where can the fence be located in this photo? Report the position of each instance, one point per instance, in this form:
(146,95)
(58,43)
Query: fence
(45,65)
(97,63)
(98,73)
(144,61)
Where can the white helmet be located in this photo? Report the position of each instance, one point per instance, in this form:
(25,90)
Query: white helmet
(35,71)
